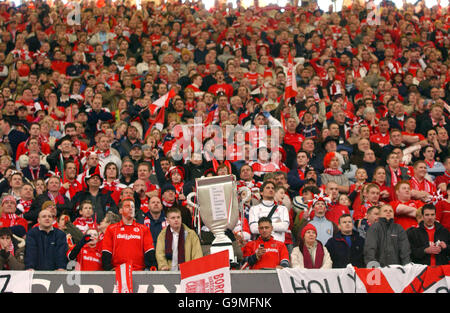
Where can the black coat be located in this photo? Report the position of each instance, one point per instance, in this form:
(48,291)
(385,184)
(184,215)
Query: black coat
(102,203)
(418,240)
(42,172)
(37,203)
(341,254)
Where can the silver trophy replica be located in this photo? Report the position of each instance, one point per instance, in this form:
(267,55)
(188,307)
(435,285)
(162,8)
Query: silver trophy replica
(218,208)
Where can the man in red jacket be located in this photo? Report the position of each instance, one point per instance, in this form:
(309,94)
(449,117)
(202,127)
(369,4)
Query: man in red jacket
(265,252)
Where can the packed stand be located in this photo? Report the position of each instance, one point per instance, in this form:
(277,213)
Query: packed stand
(99,148)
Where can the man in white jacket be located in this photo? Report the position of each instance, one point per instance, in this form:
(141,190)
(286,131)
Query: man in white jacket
(279,217)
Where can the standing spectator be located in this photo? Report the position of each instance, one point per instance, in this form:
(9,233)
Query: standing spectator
(265,252)
(347,246)
(87,253)
(386,242)
(310,252)
(430,240)
(154,218)
(101,202)
(372,215)
(278,214)
(128,241)
(46,246)
(177,243)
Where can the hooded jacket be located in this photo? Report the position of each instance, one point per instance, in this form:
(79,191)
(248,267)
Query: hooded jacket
(387,244)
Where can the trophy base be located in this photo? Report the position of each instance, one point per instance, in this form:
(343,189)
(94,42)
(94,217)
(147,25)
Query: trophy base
(222,247)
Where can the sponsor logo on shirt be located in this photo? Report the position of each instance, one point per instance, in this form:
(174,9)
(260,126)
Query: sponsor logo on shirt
(128,237)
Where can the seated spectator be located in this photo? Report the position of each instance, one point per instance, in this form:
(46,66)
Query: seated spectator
(386,242)
(347,246)
(18,225)
(46,246)
(405,207)
(86,220)
(176,243)
(12,250)
(310,253)
(430,240)
(265,252)
(332,173)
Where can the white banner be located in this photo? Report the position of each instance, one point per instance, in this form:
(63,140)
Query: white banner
(411,278)
(344,280)
(16,281)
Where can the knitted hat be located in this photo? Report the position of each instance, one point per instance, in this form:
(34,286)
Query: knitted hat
(178,169)
(167,187)
(308,226)
(8,198)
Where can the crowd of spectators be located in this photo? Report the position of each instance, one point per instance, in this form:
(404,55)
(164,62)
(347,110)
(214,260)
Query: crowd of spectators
(101,102)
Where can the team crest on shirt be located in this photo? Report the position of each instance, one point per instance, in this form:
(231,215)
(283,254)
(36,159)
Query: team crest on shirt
(122,229)
(136,229)
(273,245)
(329,231)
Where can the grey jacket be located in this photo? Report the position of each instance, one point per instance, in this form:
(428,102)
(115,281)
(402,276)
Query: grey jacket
(387,243)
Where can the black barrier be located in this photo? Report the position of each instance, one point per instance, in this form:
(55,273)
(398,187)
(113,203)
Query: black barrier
(146,282)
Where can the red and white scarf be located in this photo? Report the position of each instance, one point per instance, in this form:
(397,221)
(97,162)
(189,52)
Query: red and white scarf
(424,185)
(332,172)
(124,279)
(394,176)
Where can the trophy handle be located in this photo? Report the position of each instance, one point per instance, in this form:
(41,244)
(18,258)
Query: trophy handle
(189,200)
(248,194)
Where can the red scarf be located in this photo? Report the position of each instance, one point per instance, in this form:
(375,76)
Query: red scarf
(333,172)
(430,163)
(168,243)
(307,259)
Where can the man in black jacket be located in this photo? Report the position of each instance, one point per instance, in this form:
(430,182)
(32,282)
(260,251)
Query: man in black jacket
(347,246)
(53,193)
(430,240)
(101,201)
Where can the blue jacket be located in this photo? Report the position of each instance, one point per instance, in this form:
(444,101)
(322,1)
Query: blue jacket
(45,251)
(342,254)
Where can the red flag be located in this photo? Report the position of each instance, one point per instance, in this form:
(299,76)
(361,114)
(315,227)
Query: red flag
(291,82)
(208,274)
(161,102)
(124,279)
(158,122)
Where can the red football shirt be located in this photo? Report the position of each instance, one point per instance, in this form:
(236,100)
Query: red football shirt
(430,233)
(276,252)
(404,220)
(443,213)
(128,243)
